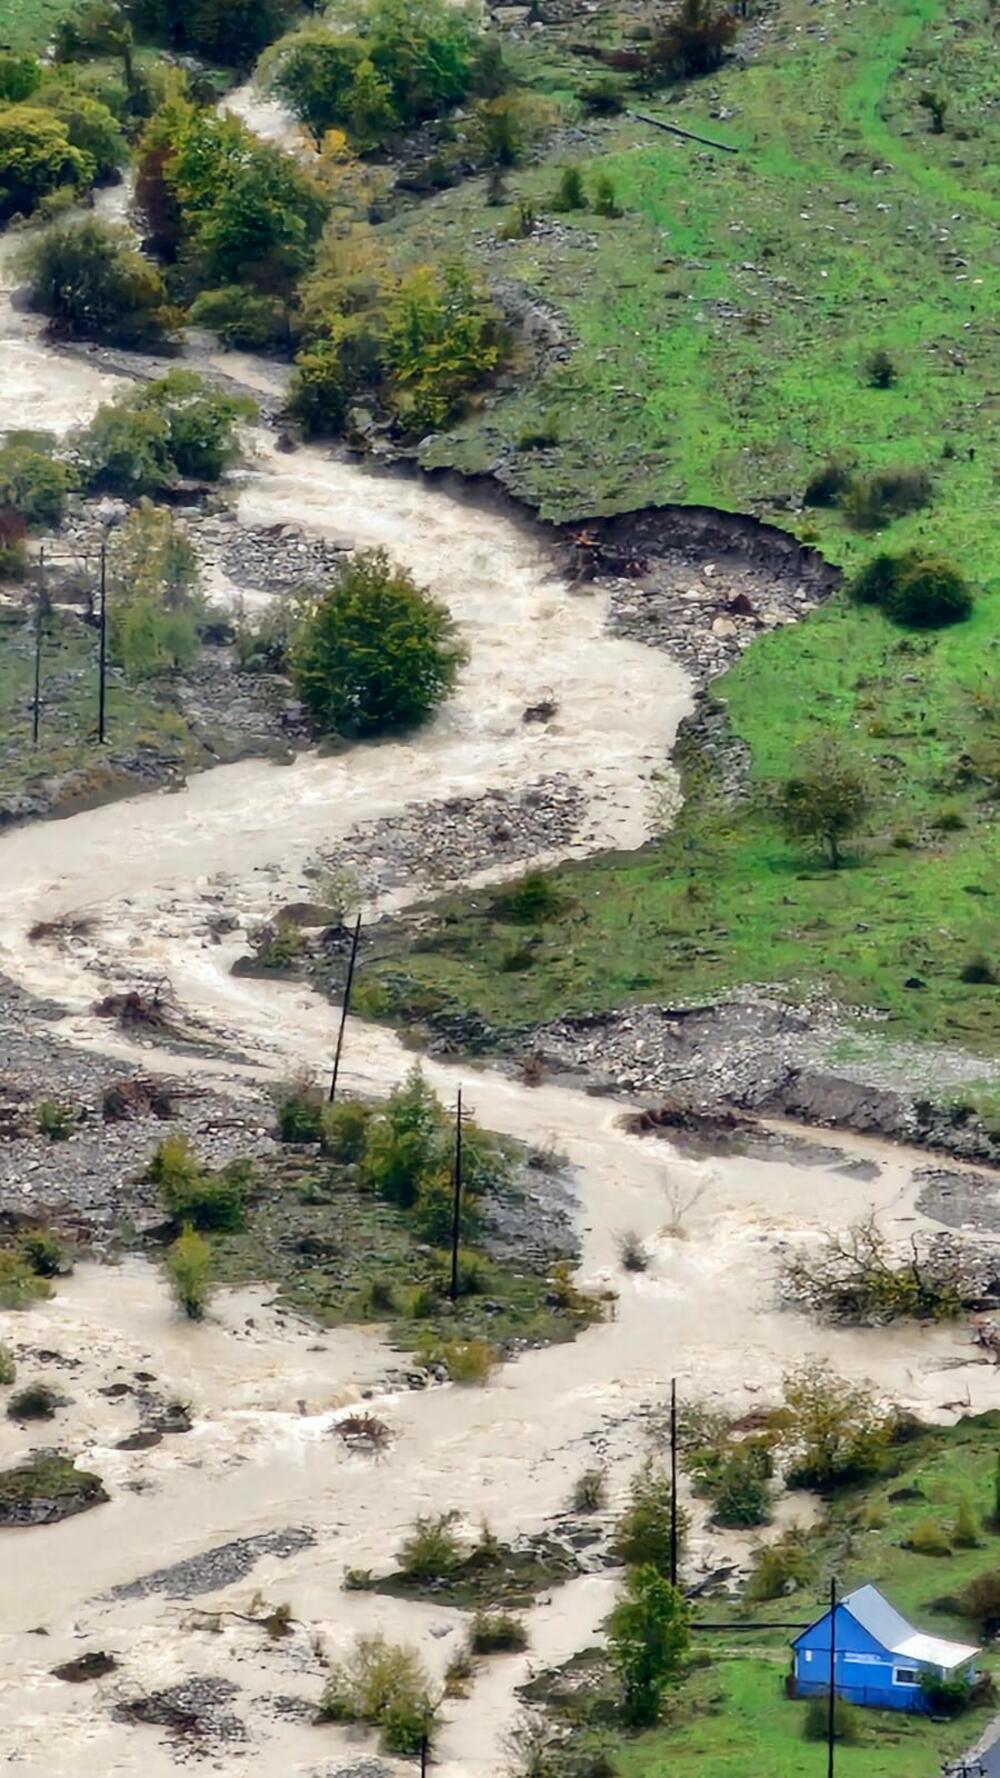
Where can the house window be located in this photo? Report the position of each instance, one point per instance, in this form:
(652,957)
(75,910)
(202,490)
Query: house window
(905,1676)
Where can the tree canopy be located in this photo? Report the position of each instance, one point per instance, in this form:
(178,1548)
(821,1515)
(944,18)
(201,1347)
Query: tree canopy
(827,799)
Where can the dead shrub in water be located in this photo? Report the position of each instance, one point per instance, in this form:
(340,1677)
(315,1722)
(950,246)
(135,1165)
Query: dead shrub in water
(36,1401)
(590,1491)
(681,1200)
(632,1251)
(362,1432)
(858,1277)
(65,926)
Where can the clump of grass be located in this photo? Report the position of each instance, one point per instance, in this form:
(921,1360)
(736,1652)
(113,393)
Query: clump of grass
(36,1401)
(827,485)
(880,369)
(459,1674)
(43,1251)
(518,223)
(8,1368)
(20,1285)
(966,1532)
(497,1632)
(590,1491)
(978,971)
(299,1108)
(531,900)
(468,1361)
(875,500)
(344,1130)
(432,1549)
(189,1267)
(203,1200)
(846,1722)
(928,1538)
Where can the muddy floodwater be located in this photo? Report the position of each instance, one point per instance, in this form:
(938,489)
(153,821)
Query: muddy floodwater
(258,1470)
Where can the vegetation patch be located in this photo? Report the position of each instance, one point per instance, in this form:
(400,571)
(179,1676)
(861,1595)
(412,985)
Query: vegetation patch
(490,1577)
(47,1489)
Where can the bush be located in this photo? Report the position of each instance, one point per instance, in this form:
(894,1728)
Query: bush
(376,653)
(177,425)
(277,944)
(91,126)
(880,371)
(432,1549)
(875,500)
(605,201)
(632,1251)
(300,1113)
(518,223)
(93,284)
(695,39)
(928,1538)
(570,194)
(642,1535)
(33,484)
(240,320)
(945,1697)
(603,97)
(44,1253)
(189,1268)
(827,800)
(468,1361)
(203,1200)
(37,159)
(345,1130)
(230,31)
(846,1723)
(20,76)
(8,1368)
(780,1568)
(497,1632)
(55,1121)
(979,971)
(828,485)
(924,592)
(384,1684)
(590,1492)
(838,1432)
(403,1147)
(20,1285)
(531,901)
(36,1401)
(965,1532)
(741,1495)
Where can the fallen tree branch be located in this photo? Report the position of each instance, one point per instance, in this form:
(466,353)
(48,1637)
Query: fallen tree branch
(675,130)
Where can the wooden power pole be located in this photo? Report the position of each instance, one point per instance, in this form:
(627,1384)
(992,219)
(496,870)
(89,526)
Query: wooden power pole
(456,1209)
(345,1009)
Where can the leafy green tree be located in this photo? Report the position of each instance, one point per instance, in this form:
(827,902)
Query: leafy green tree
(202,422)
(90,125)
(241,320)
(740,1493)
(441,337)
(404,1143)
(189,1268)
(91,281)
(643,1533)
(694,40)
(36,159)
(648,1640)
(827,799)
(98,28)
(838,1431)
(20,76)
(928,593)
(376,652)
(177,425)
(152,609)
(34,484)
(570,194)
(313,71)
(233,32)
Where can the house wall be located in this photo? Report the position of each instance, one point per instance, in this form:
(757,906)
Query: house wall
(864,1671)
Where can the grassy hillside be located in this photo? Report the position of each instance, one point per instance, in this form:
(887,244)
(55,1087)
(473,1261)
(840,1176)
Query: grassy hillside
(722,324)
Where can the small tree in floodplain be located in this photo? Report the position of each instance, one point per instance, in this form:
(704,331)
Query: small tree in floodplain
(827,799)
(648,1641)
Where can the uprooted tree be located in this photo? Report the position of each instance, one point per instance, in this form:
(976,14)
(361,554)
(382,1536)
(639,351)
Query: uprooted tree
(858,1275)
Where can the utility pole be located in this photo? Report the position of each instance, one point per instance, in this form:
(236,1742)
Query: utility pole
(673,1481)
(424,1750)
(456,1213)
(345,1008)
(36,702)
(102,653)
(831,1717)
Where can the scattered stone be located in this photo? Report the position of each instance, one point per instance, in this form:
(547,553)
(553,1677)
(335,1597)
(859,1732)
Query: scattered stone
(217,1568)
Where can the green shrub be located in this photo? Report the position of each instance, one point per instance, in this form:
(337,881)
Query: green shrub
(928,1538)
(189,1268)
(875,500)
(828,485)
(590,1491)
(20,76)
(880,371)
(93,284)
(8,1367)
(204,1200)
(979,1600)
(838,1433)
(241,320)
(55,1121)
(518,223)
(233,32)
(376,653)
(34,484)
(875,582)
(432,1549)
(36,1401)
(694,40)
(403,1147)
(642,1535)
(945,1697)
(468,1361)
(741,1495)
(531,901)
(605,201)
(570,193)
(780,1567)
(383,1684)
(300,1111)
(602,97)
(345,1130)
(177,425)
(44,1253)
(20,1285)
(277,944)
(978,970)
(965,1532)
(497,1632)
(928,593)
(648,1642)
(91,126)
(846,1723)
(37,159)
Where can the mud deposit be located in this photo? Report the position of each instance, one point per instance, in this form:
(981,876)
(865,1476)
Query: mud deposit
(255,1495)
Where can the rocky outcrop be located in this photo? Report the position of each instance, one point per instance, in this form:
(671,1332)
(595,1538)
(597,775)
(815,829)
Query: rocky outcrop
(46,1489)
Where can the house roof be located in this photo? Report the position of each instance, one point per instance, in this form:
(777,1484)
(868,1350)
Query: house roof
(867,1606)
(891,1631)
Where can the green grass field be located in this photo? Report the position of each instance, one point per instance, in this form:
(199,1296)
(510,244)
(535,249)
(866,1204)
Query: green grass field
(29,24)
(722,323)
(731,1716)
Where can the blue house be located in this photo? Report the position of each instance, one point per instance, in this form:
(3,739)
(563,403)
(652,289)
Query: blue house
(878,1657)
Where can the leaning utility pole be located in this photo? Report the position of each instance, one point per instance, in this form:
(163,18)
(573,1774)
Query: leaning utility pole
(345,1008)
(36,701)
(102,652)
(456,1210)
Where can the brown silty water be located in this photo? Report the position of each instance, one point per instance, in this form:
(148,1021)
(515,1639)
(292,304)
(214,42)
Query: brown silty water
(263,1387)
